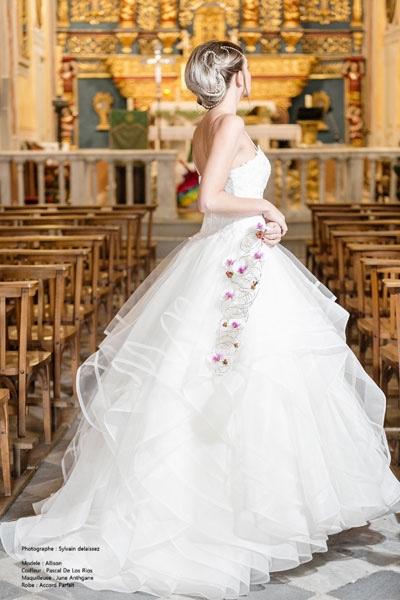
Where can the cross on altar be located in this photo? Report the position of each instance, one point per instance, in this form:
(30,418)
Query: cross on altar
(158,60)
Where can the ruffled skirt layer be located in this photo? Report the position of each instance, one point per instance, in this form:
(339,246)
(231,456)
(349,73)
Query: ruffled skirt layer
(196,481)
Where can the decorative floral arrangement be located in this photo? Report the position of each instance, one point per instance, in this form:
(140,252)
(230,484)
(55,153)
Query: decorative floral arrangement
(243,274)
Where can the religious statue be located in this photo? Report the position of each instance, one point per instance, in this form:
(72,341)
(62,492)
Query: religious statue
(68,73)
(353,71)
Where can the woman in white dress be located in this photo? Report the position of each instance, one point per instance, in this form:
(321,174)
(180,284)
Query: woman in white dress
(227,427)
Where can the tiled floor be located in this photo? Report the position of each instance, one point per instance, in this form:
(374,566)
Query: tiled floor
(361,563)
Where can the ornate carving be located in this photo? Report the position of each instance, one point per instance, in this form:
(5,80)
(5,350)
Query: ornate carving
(353,71)
(62,13)
(168,14)
(291,13)
(96,68)
(250,13)
(126,40)
(270,44)
(327,44)
(250,38)
(328,69)
(358,40)
(208,23)
(271,15)
(148,14)
(102,102)
(275,77)
(187,8)
(291,39)
(87,44)
(168,39)
(95,11)
(357,14)
(127,13)
(325,11)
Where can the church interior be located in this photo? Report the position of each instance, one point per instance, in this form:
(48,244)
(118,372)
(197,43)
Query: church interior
(98,185)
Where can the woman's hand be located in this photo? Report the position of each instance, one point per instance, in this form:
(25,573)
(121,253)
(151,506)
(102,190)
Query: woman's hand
(273,234)
(274,214)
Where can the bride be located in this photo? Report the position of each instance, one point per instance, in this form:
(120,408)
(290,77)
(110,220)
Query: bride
(227,427)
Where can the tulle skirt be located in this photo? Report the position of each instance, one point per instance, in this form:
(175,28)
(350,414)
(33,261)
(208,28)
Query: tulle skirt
(227,429)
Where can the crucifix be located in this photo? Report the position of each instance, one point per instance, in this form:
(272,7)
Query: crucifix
(157,60)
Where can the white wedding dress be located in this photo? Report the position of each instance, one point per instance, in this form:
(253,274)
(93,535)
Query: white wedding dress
(227,427)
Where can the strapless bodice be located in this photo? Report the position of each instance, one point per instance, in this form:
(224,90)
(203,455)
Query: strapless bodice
(248,180)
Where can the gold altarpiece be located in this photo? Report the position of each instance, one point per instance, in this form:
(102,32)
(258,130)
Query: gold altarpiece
(110,38)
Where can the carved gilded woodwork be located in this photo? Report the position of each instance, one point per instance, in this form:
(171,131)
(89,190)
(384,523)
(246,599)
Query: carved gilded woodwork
(91,45)
(270,44)
(250,13)
(168,39)
(127,13)
(148,15)
(62,13)
(250,39)
(102,102)
(291,39)
(95,11)
(126,39)
(357,13)
(325,11)
(291,13)
(93,69)
(187,9)
(208,23)
(168,13)
(279,78)
(358,40)
(271,15)
(327,44)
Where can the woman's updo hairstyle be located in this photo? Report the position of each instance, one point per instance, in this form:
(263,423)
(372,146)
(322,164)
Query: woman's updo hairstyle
(210,69)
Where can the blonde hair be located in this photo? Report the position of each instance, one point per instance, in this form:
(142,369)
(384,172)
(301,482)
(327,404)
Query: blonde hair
(210,69)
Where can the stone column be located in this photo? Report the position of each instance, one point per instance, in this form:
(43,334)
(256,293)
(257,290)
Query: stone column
(6,71)
(166,190)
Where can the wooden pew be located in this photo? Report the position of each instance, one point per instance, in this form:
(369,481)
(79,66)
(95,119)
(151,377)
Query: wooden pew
(5,441)
(76,311)
(18,367)
(47,331)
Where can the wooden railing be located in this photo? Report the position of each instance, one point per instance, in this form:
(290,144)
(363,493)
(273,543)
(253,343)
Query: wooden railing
(299,175)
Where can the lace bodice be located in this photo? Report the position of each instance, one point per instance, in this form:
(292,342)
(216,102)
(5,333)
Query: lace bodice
(248,180)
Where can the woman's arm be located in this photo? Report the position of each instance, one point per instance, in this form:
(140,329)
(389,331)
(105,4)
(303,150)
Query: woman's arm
(212,196)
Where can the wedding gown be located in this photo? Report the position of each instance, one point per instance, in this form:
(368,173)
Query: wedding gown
(227,427)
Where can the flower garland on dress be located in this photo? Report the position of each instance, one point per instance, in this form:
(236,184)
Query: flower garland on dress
(243,274)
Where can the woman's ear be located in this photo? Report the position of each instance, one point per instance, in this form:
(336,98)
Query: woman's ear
(239,79)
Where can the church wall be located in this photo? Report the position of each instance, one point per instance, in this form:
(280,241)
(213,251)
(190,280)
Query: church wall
(383,75)
(28,32)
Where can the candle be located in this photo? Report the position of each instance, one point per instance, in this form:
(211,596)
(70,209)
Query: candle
(308,101)
(129,104)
